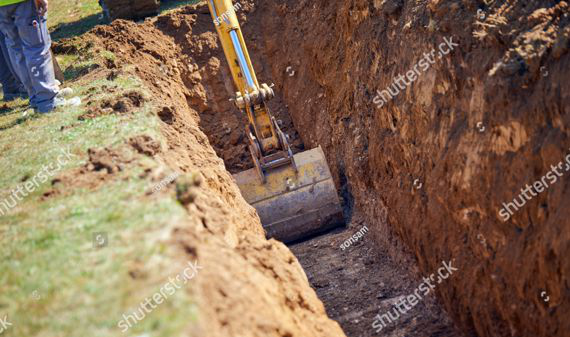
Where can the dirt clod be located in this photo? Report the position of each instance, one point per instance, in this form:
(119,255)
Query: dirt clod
(166,114)
(124,103)
(187,187)
(145,144)
(109,160)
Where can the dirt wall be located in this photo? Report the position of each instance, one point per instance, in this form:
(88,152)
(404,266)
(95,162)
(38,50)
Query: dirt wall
(248,286)
(442,156)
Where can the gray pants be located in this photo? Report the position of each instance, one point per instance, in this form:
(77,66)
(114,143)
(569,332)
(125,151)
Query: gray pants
(29,43)
(11,85)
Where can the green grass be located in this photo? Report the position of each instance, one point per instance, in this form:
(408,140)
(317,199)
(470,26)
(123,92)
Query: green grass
(68,18)
(68,11)
(53,280)
(166,6)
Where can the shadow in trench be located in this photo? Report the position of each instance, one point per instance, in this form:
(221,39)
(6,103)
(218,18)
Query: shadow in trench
(360,281)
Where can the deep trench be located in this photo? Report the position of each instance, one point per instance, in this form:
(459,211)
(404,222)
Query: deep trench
(356,283)
(374,163)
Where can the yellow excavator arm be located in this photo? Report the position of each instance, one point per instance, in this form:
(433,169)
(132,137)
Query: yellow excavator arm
(294,195)
(268,145)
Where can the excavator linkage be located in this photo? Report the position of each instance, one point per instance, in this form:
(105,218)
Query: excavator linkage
(294,195)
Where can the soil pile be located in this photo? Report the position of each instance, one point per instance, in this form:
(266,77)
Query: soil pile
(249,286)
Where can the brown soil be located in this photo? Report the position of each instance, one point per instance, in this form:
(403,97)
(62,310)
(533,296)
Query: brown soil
(109,160)
(102,165)
(360,282)
(424,158)
(145,144)
(249,286)
(418,172)
(122,103)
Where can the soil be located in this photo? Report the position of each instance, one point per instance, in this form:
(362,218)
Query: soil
(103,164)
(123,103)
(442,156)
(418,172)
(145,144)
(249,286)
(109,160)
(360,282)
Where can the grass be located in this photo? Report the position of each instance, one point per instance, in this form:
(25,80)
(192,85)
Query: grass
(75,17)
(68,11)
(54,280)
(46,245)
(166,6)
(68,18)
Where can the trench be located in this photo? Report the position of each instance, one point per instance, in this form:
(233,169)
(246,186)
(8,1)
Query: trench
(355,283)
(325,72)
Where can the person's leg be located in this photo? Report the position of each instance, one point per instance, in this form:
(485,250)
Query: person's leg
(6,77)
(11,86)
(36,43)
(14,45)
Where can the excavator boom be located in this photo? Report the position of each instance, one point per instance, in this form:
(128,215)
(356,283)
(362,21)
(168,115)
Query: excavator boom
(294,195)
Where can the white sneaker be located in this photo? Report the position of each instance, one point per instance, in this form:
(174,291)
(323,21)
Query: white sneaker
(65,92)
(60,102)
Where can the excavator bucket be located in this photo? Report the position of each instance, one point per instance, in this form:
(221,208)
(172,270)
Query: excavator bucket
(293,204)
